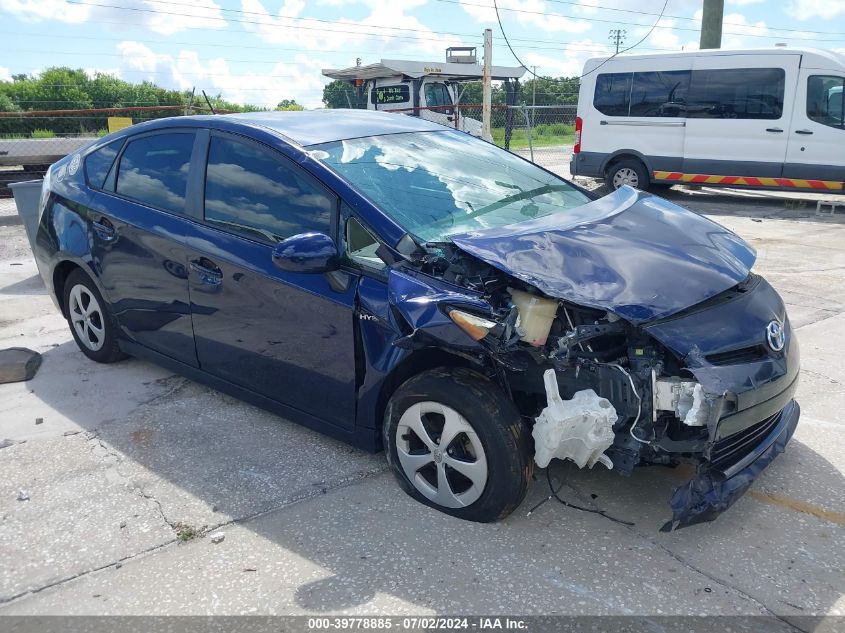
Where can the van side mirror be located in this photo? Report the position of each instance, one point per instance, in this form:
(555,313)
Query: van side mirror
(307,253)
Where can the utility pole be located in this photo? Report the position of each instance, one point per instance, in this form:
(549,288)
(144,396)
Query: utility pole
(711,24)
(486,86)
(617,36)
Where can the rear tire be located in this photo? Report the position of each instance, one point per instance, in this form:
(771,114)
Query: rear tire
(628,171)
(457,444)
(91,323)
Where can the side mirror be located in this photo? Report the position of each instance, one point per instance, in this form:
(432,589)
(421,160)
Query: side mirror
(307,253)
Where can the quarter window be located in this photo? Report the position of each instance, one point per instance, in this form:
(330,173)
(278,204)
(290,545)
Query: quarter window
(154,170)
(613,92)
(736,93)
(824,100)
(251,191)
(99,162)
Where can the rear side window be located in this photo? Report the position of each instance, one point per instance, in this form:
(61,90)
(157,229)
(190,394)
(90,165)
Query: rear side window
(154,170)
(252,191)
(613,92)
(736,93)
(99,162)
(660,93)
(824,100)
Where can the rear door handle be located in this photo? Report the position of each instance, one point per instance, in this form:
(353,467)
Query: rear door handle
(803,131)
(774,129)
(208,271)
(104,229)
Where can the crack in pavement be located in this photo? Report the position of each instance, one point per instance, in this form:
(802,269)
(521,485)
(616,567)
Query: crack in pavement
(688,564)
(304,497)
(818,374)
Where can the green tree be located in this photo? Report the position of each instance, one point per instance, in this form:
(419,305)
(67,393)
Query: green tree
(342,94)
(289,104)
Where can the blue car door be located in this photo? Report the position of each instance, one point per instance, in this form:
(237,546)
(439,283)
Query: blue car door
(286,336)
(137,212)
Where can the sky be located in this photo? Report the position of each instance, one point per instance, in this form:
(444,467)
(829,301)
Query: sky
(263,51)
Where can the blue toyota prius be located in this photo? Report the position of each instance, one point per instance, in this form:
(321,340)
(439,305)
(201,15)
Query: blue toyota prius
(400,284)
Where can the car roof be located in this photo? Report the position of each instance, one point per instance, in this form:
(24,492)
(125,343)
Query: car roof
(312,127)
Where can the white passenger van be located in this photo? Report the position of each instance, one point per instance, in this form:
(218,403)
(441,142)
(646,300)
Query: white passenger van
(763,119)
(430,90)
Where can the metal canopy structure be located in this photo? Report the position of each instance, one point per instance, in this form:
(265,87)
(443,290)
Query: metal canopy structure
(444,70)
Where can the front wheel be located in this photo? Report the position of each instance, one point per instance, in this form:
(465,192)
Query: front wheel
(627,172)
(457,444)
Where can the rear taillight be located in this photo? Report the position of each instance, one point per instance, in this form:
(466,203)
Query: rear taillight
(579,123)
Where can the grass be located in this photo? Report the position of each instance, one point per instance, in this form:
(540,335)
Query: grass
(186,533)
(542,135)
(43,134)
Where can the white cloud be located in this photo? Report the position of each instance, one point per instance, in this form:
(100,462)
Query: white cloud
(299,80)
(5,75)
(166,18)
(533,13)
(742,3)
(377,31)
(808,9)
(570,62)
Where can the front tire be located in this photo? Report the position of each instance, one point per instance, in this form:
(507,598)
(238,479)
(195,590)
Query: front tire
(90,321)
(457,444)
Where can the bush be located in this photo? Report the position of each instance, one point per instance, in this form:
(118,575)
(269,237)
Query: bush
(43,134)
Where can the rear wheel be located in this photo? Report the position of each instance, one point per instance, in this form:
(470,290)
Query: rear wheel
(89,318)
(628,171)
(457,444)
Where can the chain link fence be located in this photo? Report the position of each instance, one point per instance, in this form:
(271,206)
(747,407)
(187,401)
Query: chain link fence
(32,140)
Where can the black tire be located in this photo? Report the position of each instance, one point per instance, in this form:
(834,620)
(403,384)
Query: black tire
(622,169)
(497,426)
(107,351)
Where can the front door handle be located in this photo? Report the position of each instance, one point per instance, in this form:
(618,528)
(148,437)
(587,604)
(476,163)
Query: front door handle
(209,273)
(803,131)
(777,130)
(104,229)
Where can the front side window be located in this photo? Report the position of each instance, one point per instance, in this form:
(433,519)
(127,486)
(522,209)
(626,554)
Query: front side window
(660,93)
(252,191)
(154,170)
(437,94)
(99,162)
(438,184)
(736,93)
(613,93)
(824,100)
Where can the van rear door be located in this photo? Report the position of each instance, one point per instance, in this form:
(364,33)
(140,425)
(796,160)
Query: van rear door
(817,133)
(738,114)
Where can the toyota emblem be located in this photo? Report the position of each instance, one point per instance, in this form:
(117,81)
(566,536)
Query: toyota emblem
(775,335)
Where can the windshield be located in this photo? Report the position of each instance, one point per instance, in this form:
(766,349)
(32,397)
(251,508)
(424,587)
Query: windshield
(438,184)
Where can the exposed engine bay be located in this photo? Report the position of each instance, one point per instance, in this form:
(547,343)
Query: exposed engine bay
(599,388)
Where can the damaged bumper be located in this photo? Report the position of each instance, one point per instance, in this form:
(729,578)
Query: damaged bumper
(714,489)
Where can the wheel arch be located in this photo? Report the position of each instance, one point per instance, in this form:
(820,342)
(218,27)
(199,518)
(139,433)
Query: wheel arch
(62,270)
(624,154)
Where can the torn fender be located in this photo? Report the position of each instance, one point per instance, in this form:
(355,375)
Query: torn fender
(708,494)
(419,300)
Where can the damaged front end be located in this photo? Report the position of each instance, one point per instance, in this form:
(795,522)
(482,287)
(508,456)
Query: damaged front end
(621,385)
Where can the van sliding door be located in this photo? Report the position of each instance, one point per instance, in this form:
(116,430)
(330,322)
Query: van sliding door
(738,113)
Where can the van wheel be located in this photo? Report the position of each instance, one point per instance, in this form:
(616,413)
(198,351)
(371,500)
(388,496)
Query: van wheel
(627,172)
(90,321)
(457,444)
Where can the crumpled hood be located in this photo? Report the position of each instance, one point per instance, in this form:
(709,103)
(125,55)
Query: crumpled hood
(634,254)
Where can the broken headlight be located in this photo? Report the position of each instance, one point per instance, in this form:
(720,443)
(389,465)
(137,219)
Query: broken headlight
(477,327)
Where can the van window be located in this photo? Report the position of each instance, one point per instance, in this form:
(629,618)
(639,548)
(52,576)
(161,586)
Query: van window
(736,93)
(399,93)
(824,100)
(660,93)
(612,96)
(251,191)
(437,94)
(154,170)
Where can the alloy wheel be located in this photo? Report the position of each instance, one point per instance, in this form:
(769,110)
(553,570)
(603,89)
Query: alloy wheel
(441,454)
(86,316)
